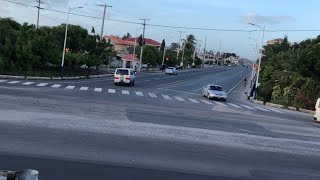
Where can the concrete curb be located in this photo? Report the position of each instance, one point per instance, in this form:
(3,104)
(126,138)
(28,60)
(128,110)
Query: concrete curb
(52,78)
(282,107)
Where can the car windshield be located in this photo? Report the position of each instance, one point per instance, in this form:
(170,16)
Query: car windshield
(215,88)
(122,72)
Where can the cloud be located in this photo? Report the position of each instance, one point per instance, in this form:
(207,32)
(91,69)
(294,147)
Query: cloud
(260,19)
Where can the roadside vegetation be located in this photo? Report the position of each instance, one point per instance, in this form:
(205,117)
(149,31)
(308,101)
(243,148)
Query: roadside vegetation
(290,73)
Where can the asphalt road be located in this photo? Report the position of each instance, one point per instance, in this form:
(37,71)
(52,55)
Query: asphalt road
(91,129)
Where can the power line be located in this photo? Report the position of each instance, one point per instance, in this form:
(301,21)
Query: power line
(168,26)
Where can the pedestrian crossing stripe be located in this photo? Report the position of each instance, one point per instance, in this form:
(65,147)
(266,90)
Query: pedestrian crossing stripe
(112,91)
(56,86)
(234,105)
(70,87)
(247,107)
(125,92)
(84,88)
(193,100)
(207,102)
(152,95)
(274,110)
(262,109)
(27,83)
(179,98)
(220,104)
(14,82)
(97,90)
(166,97)
(42,84)
(139,93)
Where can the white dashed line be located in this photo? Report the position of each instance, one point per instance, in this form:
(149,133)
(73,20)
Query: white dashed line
(193,100)
(27,83)
(56,86)
(207,102)
(70,87)
(248,107)
(166,97)
(125,92)
(139,93)
(112,91)
(152,95)
(97,89)
(84,88)
(179,98)
(42,84)
(234,105)
(14,82)
(262,109)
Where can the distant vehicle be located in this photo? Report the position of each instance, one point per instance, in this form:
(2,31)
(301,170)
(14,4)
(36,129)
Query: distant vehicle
(171,71)
(214,92)
(144,65)
(124,76)
(317,111)
(229,65)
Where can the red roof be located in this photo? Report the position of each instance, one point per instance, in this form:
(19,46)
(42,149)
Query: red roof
(129,57)
(148,41)
(117,40)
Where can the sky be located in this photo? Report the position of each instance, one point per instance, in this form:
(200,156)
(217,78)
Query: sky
(208,14)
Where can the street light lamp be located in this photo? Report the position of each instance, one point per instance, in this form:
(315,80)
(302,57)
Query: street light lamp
(263,28)
(65,39)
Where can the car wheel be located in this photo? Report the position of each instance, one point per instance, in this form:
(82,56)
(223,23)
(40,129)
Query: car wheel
(116,84)
(208,96)
(133,83)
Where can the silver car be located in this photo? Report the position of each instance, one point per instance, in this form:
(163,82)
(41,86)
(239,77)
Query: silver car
(171,70)
(214,92)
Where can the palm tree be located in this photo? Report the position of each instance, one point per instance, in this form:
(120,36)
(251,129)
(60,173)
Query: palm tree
(188,44)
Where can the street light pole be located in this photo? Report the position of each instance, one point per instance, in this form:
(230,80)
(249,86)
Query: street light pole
(263,28)
(65,40)
(164,55)
(261,54)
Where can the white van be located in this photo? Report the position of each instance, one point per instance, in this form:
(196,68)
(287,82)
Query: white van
(317,111)
(124,76)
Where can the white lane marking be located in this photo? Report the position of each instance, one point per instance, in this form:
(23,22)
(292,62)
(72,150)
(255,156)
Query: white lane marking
(70,87)
(207,102)
(125,92)
(112,91)
(14,82)
(27,83)
(179,98)
(262,109)
(97,90)
(139,93)
(84,88)
(3,80)
(56,86)
(234,105)
(237,84)
(193,100)
(178,91)
(152,95)
(220,104)
(274,110)
(247,107)
(42,84)
(166,97)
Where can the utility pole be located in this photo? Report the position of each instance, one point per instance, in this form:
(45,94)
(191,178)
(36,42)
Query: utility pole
(204,50)
(39,7)
(179,45)
(143,42)
(103,19)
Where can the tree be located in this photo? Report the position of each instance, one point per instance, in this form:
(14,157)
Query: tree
(141,41)
(127,36)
